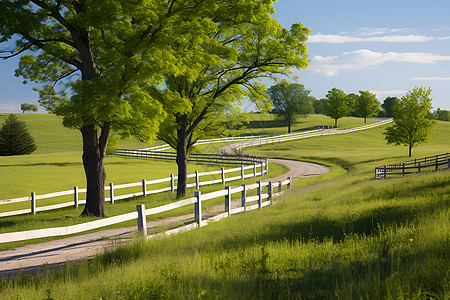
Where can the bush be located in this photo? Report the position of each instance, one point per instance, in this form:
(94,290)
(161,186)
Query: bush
(15,138)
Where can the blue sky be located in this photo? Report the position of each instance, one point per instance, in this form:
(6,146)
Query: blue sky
(387,47)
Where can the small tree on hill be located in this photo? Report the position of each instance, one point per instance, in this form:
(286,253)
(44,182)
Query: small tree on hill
(388,104)
(290,101)
(367,105)
(441,115)
(412,125)
(28,107)
(338,105)
(15,138)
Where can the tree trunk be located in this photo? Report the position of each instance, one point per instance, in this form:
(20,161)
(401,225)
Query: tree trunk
(289,127)
(365,120)
(94,151)
(182,156)
(335,123)
(410,150)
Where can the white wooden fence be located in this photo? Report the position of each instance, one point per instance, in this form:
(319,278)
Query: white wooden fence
(257,170)
(306,134)
(141,213)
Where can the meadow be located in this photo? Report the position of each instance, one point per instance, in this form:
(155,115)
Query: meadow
(342,235)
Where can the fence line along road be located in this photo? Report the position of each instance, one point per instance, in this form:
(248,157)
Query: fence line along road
(141,213)
(257,170)
(429,163)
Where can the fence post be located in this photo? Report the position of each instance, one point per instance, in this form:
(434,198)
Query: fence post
(243,196)
(449,163)
(141,221)
(198,208)
(111,192)
(242,172)
(289,183)
(280,186)
(437,165)
(269,191)
(144,187)
(223,175)
(262,168)
(75,196)
(172,183)
(419,168)
(403,171)
(254,170)
(197,180)
(384,171)
(228,201)
(267,166)
(33,203)
(259,195)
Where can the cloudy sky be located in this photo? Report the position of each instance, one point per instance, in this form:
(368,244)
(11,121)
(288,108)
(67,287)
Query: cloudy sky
(387,47)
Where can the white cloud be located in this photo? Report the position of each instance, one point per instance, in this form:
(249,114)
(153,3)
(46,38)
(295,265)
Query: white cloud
(338,39)
(363,58)
(9,107)
(431,78)
(369,31)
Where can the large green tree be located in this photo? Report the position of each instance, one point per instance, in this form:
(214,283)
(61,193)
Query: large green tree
(102,53)
(15,138)
(290,101)
(237,43)
(367,105)
(339,104)
(412,124)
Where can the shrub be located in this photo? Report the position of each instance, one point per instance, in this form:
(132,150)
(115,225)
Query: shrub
(15,138)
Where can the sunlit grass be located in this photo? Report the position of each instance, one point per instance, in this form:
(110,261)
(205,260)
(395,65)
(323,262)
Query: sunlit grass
(349,237)
(319,244)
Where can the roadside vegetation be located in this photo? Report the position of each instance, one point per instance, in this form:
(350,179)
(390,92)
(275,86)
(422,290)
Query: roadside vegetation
(345,237)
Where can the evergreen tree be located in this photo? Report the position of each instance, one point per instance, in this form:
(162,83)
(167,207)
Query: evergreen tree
(15,138)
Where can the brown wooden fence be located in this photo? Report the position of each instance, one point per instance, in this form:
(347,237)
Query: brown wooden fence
(429,163)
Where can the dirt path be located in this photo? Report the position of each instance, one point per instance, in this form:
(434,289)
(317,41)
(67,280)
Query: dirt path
(57,253)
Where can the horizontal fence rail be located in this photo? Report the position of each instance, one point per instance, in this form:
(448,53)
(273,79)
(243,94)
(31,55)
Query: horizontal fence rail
(226,139)
(201,158)
(141,213)
(429,163)
(305,134)
(226,175)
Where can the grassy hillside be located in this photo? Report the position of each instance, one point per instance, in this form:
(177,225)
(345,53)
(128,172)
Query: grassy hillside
(49,134)
(347,238)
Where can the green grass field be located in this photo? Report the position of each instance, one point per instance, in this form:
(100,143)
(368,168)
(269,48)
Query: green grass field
(346,237)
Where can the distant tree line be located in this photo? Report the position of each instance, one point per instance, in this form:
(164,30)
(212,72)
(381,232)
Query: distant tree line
(292,100)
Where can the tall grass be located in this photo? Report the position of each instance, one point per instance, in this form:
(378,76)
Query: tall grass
(319,244)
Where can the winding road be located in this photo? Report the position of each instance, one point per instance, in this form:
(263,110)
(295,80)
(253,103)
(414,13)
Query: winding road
(57,253)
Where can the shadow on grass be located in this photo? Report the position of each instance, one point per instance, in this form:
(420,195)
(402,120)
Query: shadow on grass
(266,124)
